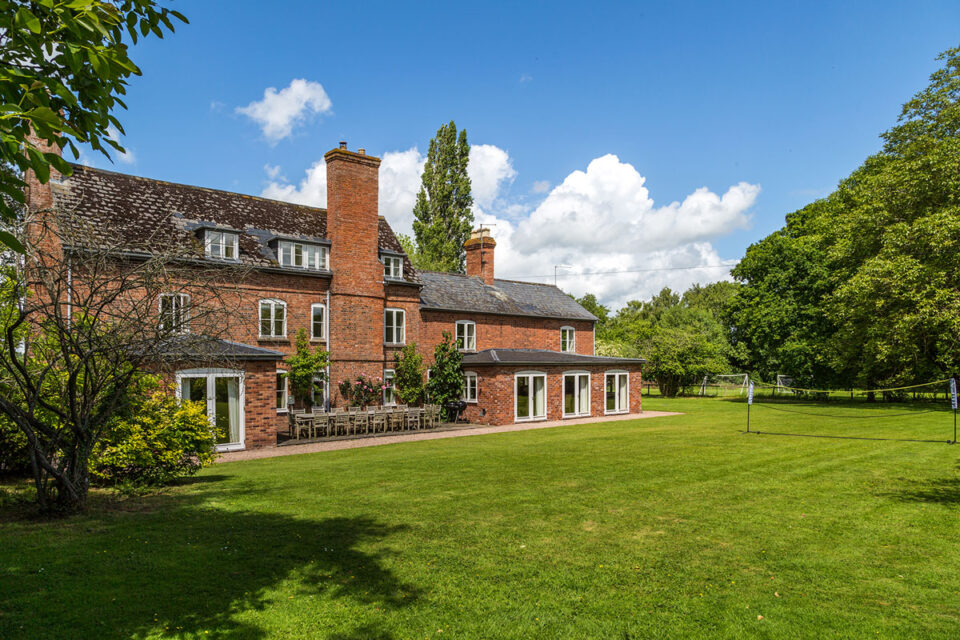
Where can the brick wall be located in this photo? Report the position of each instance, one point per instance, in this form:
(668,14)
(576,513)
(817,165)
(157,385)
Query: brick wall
(495,392)
(505,332)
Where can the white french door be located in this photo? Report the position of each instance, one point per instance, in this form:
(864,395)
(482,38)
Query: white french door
(222,391)
(576,394)
(616,390)
(530,396)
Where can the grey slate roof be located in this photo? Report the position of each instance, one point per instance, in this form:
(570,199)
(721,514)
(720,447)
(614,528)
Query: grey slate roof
(541,356)
(143,215)
(195,346)
(457,292)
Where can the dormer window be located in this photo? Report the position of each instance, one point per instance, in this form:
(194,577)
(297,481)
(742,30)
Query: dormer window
(393,267)
(303,256)
(221,245)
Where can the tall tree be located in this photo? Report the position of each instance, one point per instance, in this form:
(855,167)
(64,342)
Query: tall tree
(443,216)
(63,68)
(862,287)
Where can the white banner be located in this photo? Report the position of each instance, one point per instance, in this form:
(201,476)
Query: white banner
(953,393)
(750,395)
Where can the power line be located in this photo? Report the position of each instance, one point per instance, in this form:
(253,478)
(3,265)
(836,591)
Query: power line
(608,273)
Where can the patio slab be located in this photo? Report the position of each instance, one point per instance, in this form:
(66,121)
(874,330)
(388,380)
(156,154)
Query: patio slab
(451,431)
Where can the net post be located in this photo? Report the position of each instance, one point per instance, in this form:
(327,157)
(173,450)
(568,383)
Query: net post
(953,404)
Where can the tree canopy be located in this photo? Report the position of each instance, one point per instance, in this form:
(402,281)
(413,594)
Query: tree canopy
(63,67)
(443,216)
(863,287)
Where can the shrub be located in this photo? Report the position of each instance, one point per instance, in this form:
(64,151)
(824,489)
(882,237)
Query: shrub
(408,375)
(363,392)
(446,377)
(164,440)
(306,365)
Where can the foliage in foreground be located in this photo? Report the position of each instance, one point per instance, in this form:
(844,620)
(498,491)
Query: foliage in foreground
(161,441)
(63,67)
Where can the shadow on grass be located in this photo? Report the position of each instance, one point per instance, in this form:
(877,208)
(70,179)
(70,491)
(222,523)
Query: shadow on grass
(192,571)
(945,491)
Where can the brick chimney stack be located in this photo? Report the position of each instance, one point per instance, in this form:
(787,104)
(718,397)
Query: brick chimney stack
(356,326)
(479,248)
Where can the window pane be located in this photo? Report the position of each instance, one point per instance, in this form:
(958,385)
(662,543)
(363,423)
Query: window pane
(400,327)
(523,397)
(611,392)
(194,389)
(569,394)
(539,397)
(281,391)
(584,381)
(264,318)
(622,380)
(317,321)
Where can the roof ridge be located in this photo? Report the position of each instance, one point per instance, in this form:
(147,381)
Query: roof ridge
(83,167)
(539,284)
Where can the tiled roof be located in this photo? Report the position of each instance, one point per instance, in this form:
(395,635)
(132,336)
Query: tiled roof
(457,292)
(541,356)
(143,215)
(194,346)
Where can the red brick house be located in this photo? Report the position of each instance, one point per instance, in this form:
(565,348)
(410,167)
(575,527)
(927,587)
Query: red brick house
(341,274)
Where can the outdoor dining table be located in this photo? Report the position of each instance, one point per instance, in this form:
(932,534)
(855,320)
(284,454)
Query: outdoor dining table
(348,422)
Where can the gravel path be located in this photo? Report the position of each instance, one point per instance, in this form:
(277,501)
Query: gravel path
(435,434)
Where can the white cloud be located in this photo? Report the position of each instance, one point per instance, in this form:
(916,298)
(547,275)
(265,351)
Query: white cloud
(399,182)
(541,186)
(598,220)
(490,170)
(280,111)
(525,78)
(127,156)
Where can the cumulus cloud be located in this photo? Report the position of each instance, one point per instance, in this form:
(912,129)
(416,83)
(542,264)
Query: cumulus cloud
(541,186)
(280,111)
(400,173)
(490,170)
(597,220)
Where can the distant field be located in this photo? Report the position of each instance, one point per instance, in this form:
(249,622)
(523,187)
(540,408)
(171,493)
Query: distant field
(672,527)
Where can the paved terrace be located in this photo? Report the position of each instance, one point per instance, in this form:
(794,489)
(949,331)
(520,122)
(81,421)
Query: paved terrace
(445,431)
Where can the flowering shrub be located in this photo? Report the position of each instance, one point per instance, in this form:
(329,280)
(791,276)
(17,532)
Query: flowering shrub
(362,392)
(163,440)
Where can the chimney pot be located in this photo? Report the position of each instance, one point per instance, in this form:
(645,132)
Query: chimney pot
(343,144)
(362,151)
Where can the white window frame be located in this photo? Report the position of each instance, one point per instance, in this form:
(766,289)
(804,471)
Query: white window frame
(300,255)
(393,267)
(326,390)
(576,375)
(619,410)
(217,242)
(183,326)
(323,322)
(531,375)
(571,346)
(211,406)
(274,303)
(282,406)
(389,376)
(466,324)
(394,329)
(465,390)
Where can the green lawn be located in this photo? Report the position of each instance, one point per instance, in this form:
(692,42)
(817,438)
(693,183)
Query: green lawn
(667,528)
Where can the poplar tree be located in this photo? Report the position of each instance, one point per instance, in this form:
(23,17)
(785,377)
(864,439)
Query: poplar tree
(443,216)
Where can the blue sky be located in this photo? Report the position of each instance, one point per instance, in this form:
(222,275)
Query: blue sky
(768,104)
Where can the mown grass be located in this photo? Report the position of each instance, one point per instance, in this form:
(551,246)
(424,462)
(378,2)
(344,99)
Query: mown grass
(660,528)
